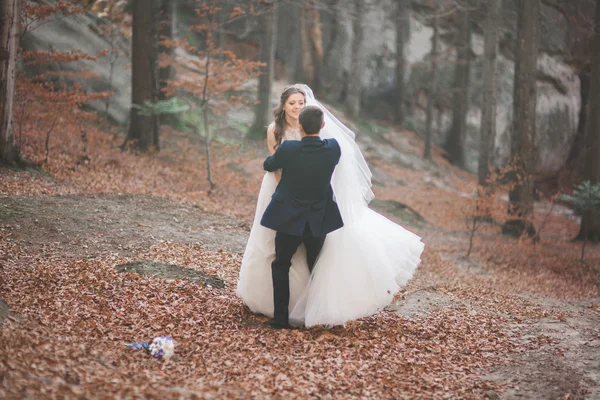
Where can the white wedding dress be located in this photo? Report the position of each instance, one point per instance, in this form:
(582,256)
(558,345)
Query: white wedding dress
(361,266)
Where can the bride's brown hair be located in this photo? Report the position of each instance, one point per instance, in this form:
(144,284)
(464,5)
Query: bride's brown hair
(279,113)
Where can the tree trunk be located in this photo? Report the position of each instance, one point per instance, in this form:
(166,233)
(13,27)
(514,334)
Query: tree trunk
(308,59)
(454,145)
(302,60)
(142,133)
(268,36)
(9,32)
(167,30)
(523,125)
(315,41)
(207,138)
(295,71)
(204,103)
(590,227)
(432,90)
(354,76)
(576,160)
(488,103)
(402,32)
(113,56)
(331,77)
(222,21)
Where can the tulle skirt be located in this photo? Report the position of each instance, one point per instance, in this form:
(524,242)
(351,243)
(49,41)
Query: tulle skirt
(359,270)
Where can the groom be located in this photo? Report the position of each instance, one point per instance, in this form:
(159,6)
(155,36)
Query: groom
(302,209)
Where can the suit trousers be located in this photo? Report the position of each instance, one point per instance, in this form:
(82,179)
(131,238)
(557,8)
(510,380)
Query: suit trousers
(285,247)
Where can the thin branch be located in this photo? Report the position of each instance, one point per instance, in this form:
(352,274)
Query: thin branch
(536,239)
(21,118)
(556,6)
(27,27)
(48,137)
(206,76)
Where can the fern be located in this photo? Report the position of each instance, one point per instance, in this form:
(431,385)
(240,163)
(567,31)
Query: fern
(586,201)
(171,106)
(586,197)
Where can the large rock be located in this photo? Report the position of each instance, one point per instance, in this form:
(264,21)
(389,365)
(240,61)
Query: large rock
(170,271)
(81,32)
(558,106)
(559,98)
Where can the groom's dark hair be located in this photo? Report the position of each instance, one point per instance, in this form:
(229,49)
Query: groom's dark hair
(311,119)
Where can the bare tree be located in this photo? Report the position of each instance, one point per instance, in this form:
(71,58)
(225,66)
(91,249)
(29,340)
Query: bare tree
(432,90)
(295,66)
(354,76)
(523,125)
(143,128)
(330,74)
(268,33)
(9,32)
(576,160)
(315,44)
(402,31)
(488,104)
(454,145)
(113,55)
(167,31)
(590,222)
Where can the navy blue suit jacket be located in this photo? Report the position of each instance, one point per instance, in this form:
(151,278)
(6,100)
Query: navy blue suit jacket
(304,194)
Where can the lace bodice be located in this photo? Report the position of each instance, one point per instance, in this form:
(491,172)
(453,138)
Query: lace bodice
(292,134)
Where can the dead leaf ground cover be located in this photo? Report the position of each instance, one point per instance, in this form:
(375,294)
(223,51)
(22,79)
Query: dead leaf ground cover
(486,329)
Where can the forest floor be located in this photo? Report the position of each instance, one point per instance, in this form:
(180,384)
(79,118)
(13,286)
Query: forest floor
(515,320)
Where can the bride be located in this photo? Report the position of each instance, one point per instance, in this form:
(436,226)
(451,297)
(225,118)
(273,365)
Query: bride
(361,266)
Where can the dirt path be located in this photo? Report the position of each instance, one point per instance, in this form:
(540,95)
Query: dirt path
(88,225)
(565,364)
(568,362)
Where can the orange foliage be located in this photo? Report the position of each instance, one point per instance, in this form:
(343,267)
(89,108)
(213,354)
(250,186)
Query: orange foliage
(85,158)
(210,72)
(46,101)
(85,300)
(236,11)
(35,14)
(78,312)
(45,57)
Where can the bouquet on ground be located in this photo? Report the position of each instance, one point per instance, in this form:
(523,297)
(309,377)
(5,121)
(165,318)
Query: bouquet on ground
(160,347)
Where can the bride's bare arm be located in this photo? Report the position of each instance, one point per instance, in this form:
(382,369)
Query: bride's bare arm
(271,143)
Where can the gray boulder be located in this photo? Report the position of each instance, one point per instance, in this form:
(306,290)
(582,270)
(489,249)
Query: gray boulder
(559,97)
(81,32)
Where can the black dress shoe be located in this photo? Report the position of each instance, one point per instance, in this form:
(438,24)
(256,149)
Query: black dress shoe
(279,325)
